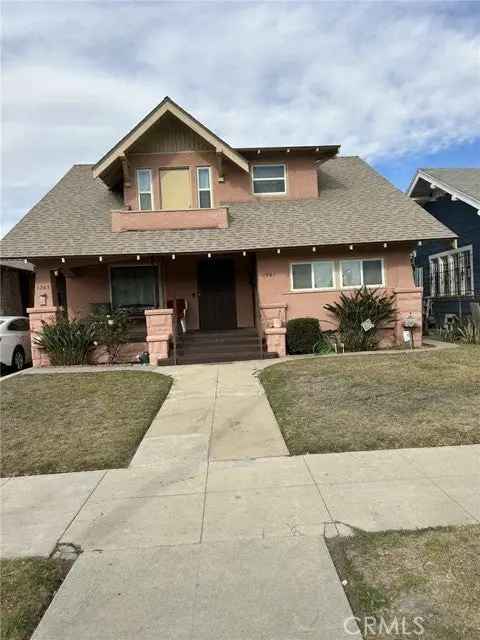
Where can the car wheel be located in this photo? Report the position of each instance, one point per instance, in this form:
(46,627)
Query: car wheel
(18,359)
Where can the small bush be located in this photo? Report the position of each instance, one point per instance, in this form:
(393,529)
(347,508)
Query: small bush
(460,330)
(67,342)
(111,331)
(353,309)
(302,335)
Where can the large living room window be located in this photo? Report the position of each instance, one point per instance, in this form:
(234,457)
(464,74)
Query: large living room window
(134,288)
(269,179)
(317,275)
(361,273)
(204,183)
(144,187)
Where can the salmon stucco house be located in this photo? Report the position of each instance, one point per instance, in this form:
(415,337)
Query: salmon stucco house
(174,222)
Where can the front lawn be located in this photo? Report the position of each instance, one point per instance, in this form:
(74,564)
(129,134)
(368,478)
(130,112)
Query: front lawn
(432,575)
(28,585)
(58,422)
(356,403)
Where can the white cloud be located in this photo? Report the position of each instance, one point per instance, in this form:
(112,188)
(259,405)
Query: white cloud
(381,79)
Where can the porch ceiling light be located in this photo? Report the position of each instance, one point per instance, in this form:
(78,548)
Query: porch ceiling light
(173,256)
(209,255)
(314,249)
(100,258)
(278,250)
(385,245)
(138,257)
(350,247)
(419,243)
(63,260)
(244,253)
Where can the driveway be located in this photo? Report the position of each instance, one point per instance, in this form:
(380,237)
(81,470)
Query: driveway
(212,532)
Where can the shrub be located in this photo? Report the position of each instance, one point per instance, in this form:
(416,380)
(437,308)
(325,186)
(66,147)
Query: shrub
(302,335)
(461,330)
(67,342)
(111,331)
(353,309)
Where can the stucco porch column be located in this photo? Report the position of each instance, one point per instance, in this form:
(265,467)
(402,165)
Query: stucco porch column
(160,330)
(44,311)
(409,306)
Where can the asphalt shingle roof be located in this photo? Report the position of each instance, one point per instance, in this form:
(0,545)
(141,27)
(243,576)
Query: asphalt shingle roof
(356,205)
(465,180)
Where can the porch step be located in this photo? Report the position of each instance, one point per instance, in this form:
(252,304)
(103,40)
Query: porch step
(235,346)
(223,357)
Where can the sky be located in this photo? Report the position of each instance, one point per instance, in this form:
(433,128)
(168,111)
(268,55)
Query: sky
(395,83)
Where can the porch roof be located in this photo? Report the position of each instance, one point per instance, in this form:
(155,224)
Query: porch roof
(356,206)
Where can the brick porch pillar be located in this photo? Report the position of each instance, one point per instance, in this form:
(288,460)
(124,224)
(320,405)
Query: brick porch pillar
(276,338)
(39,315)
(409,305)
(159,332)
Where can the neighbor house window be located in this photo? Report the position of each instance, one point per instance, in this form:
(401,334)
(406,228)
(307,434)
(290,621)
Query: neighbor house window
(451,273)
(361,273)
(134,288)
(269,179)
(204,183)
(316,275)
(144,186)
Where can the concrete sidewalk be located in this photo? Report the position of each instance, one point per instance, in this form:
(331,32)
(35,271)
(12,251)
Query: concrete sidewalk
(212,531)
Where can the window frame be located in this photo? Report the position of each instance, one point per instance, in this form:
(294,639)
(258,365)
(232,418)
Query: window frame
(270,164)
(359,286)
(159,291)
(210,190)
(150,193)
(448,255)
(311,263)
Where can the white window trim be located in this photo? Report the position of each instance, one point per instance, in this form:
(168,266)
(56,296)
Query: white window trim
(359,286)
(210,190)
(143,192)
(270,164)
(449,255)
(311,262)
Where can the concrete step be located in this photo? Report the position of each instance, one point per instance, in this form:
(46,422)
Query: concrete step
(223,357)
(215,347)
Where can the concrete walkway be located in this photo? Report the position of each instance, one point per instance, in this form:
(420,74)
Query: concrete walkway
(212,532)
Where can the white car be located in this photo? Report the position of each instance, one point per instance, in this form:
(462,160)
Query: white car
(15,346)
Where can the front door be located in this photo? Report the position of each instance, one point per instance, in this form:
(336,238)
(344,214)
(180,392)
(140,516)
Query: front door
(216,291)
(175,189)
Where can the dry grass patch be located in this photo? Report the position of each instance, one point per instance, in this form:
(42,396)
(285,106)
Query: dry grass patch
(432,574)
(426,399)
(28,585)
(59,422)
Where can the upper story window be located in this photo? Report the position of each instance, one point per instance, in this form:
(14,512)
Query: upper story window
(269,179)
(316,275)
(362,273)
(144,186)
(204,187)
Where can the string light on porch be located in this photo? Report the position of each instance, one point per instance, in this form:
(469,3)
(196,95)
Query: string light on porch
(385,245)
(350,247)
(419,243)
(278,251)
(138,258)
(173,256)
(63,260)
(314,249)
(100,258)
(244,253)
(209,255)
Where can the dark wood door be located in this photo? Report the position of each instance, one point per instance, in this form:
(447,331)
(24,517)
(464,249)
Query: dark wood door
(216,291)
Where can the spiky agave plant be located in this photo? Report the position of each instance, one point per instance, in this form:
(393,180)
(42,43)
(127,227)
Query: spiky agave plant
(67,342)
(353,309)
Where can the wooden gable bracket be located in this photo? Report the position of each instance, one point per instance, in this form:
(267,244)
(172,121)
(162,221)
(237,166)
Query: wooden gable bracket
(126,172)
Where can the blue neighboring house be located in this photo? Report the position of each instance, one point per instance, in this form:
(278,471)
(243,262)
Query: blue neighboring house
(449,272)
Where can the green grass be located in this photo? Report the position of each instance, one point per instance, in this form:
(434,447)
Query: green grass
(433,574)
(358,403)
(59,422)
(28,585)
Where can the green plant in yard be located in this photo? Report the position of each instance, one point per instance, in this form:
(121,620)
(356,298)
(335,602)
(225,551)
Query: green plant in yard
(460,330)
(323,345)
(356,308)
(111,331)
(67,342)
(302,335)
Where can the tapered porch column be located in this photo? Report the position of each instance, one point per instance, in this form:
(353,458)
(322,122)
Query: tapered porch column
(159,333)
(44,311)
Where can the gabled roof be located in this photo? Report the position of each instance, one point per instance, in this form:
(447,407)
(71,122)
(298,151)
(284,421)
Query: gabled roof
(463,184)
(104,166)
(356,205)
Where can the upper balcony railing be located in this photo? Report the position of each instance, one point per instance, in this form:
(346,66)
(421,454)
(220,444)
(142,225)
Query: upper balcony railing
(162,220)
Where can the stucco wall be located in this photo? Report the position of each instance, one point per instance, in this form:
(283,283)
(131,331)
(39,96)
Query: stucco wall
(90,285)
(302,180)
(274,279)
